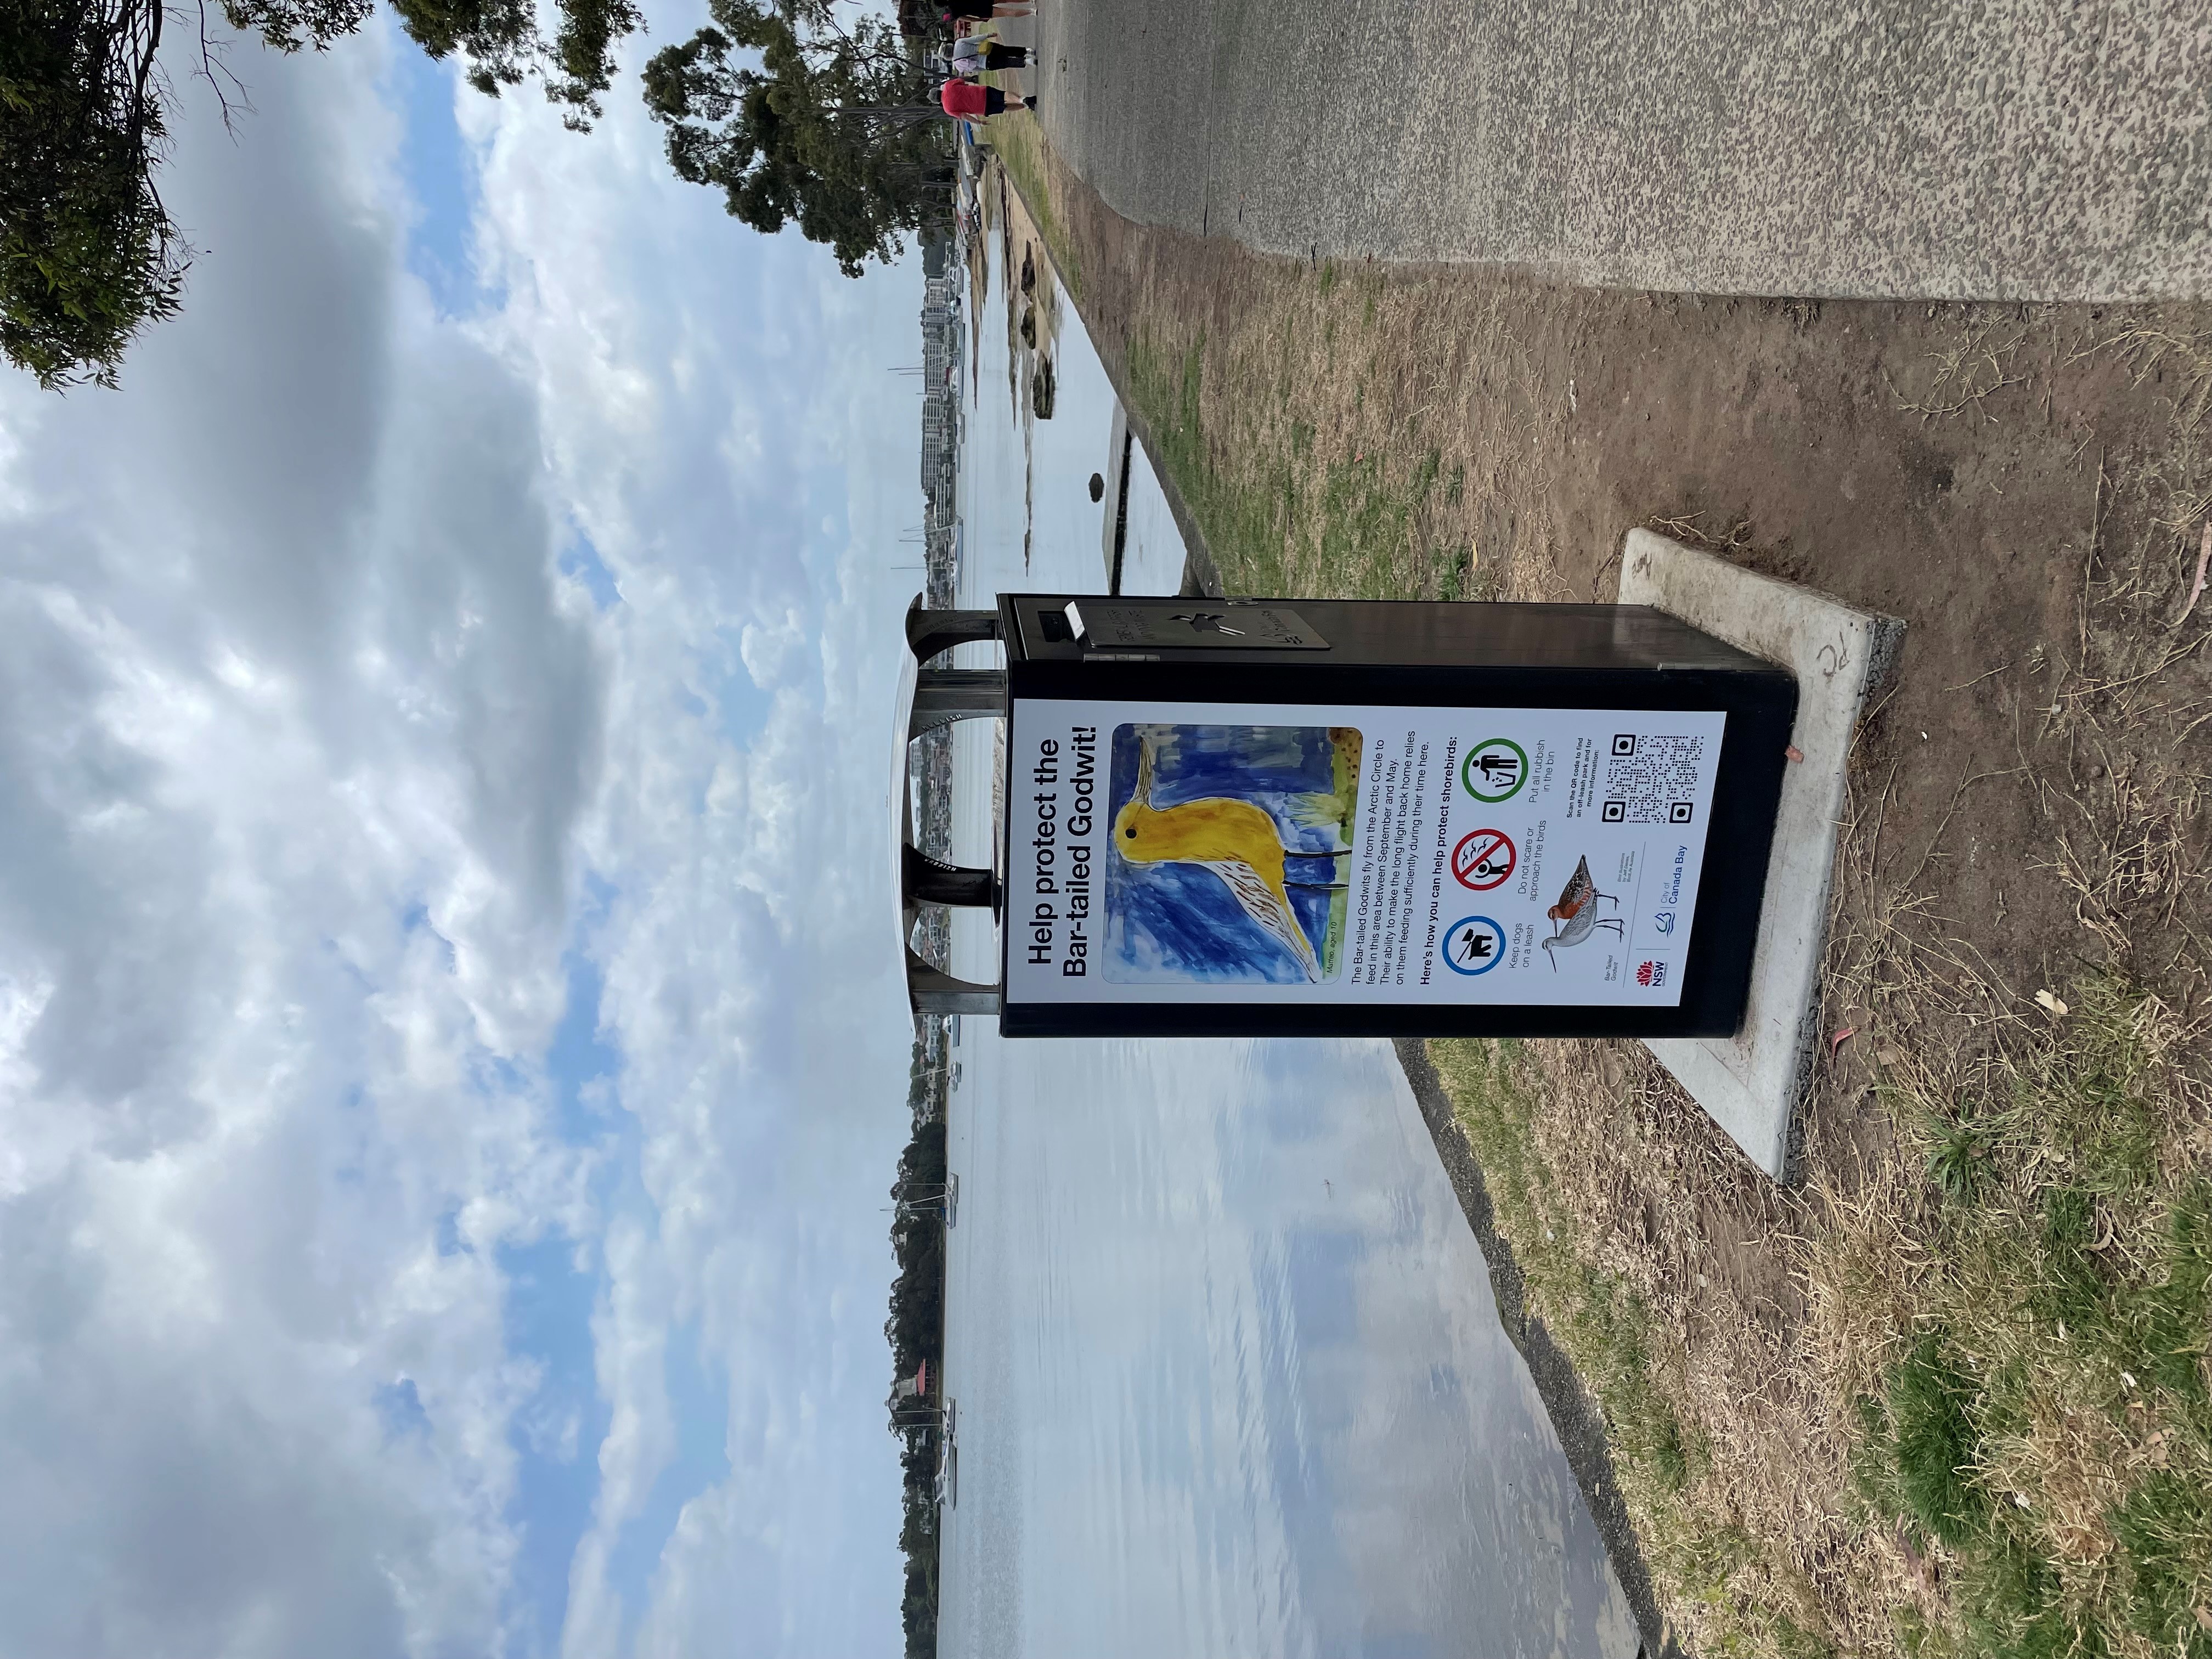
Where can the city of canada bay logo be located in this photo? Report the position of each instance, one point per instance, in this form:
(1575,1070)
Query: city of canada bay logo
(1483,860)
(1663,921)
(1494,771)
(1474,945)
(1651,974)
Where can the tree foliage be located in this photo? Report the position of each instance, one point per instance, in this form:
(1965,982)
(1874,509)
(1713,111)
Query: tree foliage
(916,1327)
(798,119)
(88,253)
(288,25)
(497,38)
(915,1331)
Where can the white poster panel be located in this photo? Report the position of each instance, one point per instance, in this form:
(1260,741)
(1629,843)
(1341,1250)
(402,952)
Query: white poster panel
(1169,852)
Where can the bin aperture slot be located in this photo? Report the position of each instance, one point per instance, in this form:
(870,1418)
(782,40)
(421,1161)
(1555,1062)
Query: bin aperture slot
(1202,624)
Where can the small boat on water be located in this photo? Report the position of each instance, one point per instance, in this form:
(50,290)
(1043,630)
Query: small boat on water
(948,1460)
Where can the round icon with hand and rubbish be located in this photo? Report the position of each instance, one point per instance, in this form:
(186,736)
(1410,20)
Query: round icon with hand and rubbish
(1494,771)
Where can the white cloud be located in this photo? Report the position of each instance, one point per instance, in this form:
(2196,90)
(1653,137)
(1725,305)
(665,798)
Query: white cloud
(307,751)
(772,653)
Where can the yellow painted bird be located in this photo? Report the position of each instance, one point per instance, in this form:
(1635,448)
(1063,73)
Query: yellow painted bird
(1234,839)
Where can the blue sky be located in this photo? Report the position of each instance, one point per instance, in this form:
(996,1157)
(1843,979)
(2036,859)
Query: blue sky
(440,178)
(448,1069)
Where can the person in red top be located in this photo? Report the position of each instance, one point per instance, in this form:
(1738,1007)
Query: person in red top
(965,100)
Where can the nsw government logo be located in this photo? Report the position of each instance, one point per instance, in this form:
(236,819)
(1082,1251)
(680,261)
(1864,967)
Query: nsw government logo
(1652,976)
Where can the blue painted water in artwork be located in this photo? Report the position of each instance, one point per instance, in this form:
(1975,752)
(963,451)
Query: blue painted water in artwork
(1198,891)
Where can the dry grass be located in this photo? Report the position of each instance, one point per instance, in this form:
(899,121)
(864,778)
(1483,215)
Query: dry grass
(1857,1418)
(1953,1396)
(1362,436)
(1950,1395)
(1337,429)
(2006,1321)
(1620,1201)
(1964,373)
(2010,1295)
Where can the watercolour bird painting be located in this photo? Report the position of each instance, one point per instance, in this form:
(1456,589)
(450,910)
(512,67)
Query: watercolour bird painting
(1230,852)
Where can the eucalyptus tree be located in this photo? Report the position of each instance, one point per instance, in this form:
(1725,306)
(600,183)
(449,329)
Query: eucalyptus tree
(800,118)
(89,254)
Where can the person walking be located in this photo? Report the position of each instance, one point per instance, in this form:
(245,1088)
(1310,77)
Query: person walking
(972,54)
(965,100)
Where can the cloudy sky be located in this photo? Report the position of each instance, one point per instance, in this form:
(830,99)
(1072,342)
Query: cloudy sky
(449,1066)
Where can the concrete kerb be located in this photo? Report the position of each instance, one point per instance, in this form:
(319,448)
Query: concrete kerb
(1117,446)
(1753,1083)
(1114,526)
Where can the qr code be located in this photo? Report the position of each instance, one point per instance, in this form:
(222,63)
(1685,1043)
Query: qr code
(1652,779)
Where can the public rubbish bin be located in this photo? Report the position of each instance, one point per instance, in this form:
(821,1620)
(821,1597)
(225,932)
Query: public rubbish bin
(1320,816)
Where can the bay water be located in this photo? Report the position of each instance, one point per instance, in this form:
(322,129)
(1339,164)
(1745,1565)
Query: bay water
(1228,1375)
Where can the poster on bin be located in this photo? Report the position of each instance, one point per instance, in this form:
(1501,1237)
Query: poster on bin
(1169,852)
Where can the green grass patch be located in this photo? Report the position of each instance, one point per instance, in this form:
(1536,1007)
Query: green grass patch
(1020,144)
(1696,1555)
(1456,580)
(1365,522)
(2050,1425)
(2043,1431)
(1244,526)
(1358,522)
(1920,1445)
(1610,1327)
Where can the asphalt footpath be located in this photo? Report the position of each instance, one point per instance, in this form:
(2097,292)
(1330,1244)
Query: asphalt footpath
(2003,149)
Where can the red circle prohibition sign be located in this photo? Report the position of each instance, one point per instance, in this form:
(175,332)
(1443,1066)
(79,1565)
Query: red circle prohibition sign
(1483,860)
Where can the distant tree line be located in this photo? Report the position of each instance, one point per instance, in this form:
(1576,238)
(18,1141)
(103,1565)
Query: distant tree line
(915,1330)
(796,117)
(916,1324)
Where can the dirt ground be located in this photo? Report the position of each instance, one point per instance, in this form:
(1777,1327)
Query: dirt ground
(1977,473)
(2027,488)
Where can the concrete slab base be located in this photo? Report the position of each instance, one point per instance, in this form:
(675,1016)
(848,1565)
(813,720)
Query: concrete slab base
(1751,1084)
